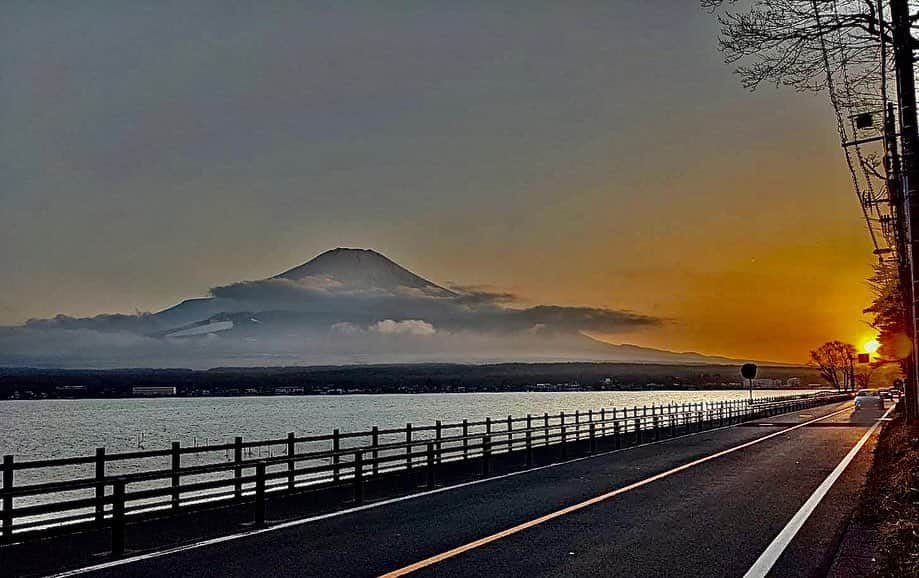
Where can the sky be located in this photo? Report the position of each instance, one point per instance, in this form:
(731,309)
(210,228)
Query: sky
(595,154)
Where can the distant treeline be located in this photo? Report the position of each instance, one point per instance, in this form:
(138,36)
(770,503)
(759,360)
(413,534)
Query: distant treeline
(411,378)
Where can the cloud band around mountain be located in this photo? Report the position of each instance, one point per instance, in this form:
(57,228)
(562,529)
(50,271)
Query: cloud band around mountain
(464,310)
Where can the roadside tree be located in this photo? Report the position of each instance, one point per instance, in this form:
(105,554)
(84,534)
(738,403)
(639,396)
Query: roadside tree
(835,362)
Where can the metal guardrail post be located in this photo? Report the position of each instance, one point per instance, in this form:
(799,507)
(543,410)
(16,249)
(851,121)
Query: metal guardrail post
(100,486)
(593,438)
(617,435)
(291,451)
(545,420)
(359,477)
(438,433)
(118,499)
(7,500)
(657,429)
(408,448)
(510,434)
(375,453)
(336,459)
(260,494)
(431,460)
(637,430)
(486,454)
(176,456)
(238,470)
(465,439)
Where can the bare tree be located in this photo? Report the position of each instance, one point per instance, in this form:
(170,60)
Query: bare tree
(834,360)
(839,47)
(787,41)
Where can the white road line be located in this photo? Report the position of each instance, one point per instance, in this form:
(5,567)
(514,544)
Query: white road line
(597,499)
(381,503)
(768,558)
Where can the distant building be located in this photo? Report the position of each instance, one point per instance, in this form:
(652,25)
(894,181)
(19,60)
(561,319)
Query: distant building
(556,387)
(765,382)
(70,390)
(153,390)
(288,390)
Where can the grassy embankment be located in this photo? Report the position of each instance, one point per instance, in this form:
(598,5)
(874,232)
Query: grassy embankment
(890,503)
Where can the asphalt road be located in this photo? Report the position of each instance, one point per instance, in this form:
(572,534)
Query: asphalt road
(713,518)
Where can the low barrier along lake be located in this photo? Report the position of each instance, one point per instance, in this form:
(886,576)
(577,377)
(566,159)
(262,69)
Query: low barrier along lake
(59,428)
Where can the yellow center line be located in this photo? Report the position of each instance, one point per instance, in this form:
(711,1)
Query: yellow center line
(595,500)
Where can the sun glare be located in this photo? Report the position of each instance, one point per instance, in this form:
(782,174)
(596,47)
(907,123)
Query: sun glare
(871,345)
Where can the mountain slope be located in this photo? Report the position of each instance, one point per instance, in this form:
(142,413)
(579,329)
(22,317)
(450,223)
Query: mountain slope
(361,269)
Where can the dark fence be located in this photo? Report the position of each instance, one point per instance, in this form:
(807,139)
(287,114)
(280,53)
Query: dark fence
(105,488)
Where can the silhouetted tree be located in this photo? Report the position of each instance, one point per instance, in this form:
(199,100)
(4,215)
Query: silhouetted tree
(835,362)
(886,311)
(863,377)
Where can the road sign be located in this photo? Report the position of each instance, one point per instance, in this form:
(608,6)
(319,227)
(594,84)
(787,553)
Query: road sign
(748,370)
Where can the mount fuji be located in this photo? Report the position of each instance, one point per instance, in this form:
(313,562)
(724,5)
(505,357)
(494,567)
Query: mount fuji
(343,306)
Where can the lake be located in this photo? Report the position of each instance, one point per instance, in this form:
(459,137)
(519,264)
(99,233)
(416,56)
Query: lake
(63,428)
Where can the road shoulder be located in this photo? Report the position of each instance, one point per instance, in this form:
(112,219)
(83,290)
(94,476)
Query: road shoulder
(881,538)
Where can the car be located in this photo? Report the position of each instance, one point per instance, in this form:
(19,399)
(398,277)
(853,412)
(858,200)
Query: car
(868,398)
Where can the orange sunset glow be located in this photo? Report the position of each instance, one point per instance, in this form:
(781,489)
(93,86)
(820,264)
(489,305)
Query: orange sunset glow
(747,242)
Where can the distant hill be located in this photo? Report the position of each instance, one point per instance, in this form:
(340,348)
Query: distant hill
(390,378)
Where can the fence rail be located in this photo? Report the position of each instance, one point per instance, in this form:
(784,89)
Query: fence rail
(91,491)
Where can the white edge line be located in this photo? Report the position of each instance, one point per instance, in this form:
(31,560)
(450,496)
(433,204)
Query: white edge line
(771,554)
(381,503)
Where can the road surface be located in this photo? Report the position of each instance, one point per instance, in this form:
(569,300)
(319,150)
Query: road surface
(709,504)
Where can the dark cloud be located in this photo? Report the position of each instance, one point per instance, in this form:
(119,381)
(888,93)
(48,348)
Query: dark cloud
(107,323)
(470,309)
(558,319)
(483,295)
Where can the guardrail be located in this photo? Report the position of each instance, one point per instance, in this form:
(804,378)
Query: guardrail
(106,488)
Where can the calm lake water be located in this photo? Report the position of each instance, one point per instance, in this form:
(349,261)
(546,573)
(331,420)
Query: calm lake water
(64,428)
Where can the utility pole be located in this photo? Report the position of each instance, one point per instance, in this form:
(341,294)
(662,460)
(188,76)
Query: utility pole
(909,141)
(894,171)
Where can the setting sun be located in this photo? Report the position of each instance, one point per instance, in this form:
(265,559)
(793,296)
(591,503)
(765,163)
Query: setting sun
(871,345)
